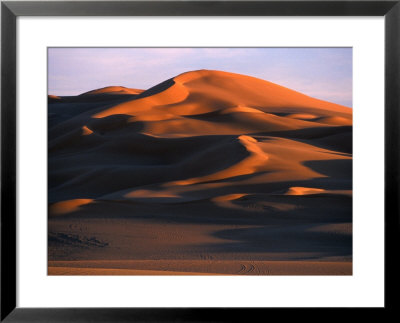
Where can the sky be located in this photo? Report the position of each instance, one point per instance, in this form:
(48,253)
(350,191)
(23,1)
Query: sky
(323,73)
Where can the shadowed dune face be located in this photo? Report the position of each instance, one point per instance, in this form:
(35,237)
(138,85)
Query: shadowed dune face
(247,167)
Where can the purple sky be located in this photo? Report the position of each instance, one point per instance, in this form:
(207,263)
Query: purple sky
(324,73)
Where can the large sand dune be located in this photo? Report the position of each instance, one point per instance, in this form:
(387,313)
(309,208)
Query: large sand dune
(207,166)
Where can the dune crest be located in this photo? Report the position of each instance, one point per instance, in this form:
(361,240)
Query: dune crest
(113,90)
(229,197)
(255,158)
(304,191)
(69,206)
(86,131)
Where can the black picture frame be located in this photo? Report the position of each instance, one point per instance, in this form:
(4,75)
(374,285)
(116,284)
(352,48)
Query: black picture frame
(10,10)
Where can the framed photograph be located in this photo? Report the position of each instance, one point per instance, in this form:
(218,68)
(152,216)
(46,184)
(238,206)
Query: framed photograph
(161,159)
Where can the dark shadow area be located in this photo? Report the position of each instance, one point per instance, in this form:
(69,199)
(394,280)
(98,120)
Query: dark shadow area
(92,98)
(157,89)
(283,239)
(335,168)
(342,142)
(132,160)
(111,123)
(308,133)
(65,112)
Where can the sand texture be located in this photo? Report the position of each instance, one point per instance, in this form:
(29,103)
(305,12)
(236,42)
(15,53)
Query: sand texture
(206,173)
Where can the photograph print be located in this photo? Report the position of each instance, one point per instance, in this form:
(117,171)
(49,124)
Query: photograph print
(199,161)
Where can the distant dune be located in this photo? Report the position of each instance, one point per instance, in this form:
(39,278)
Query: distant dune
(207,166)
(113,90)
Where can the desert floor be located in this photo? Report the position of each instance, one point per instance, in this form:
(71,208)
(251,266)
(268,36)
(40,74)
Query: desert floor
(206,173)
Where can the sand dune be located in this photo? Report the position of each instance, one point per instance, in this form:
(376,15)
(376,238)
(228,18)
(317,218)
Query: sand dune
(113,90)
(207,165)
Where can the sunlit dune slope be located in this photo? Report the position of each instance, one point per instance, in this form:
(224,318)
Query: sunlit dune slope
(205,91)
(235,104)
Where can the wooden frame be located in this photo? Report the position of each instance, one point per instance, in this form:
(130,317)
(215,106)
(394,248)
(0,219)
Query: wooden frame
(10,10)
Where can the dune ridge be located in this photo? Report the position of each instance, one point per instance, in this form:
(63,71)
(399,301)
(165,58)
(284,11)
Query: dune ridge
(206,165)
(113,90)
